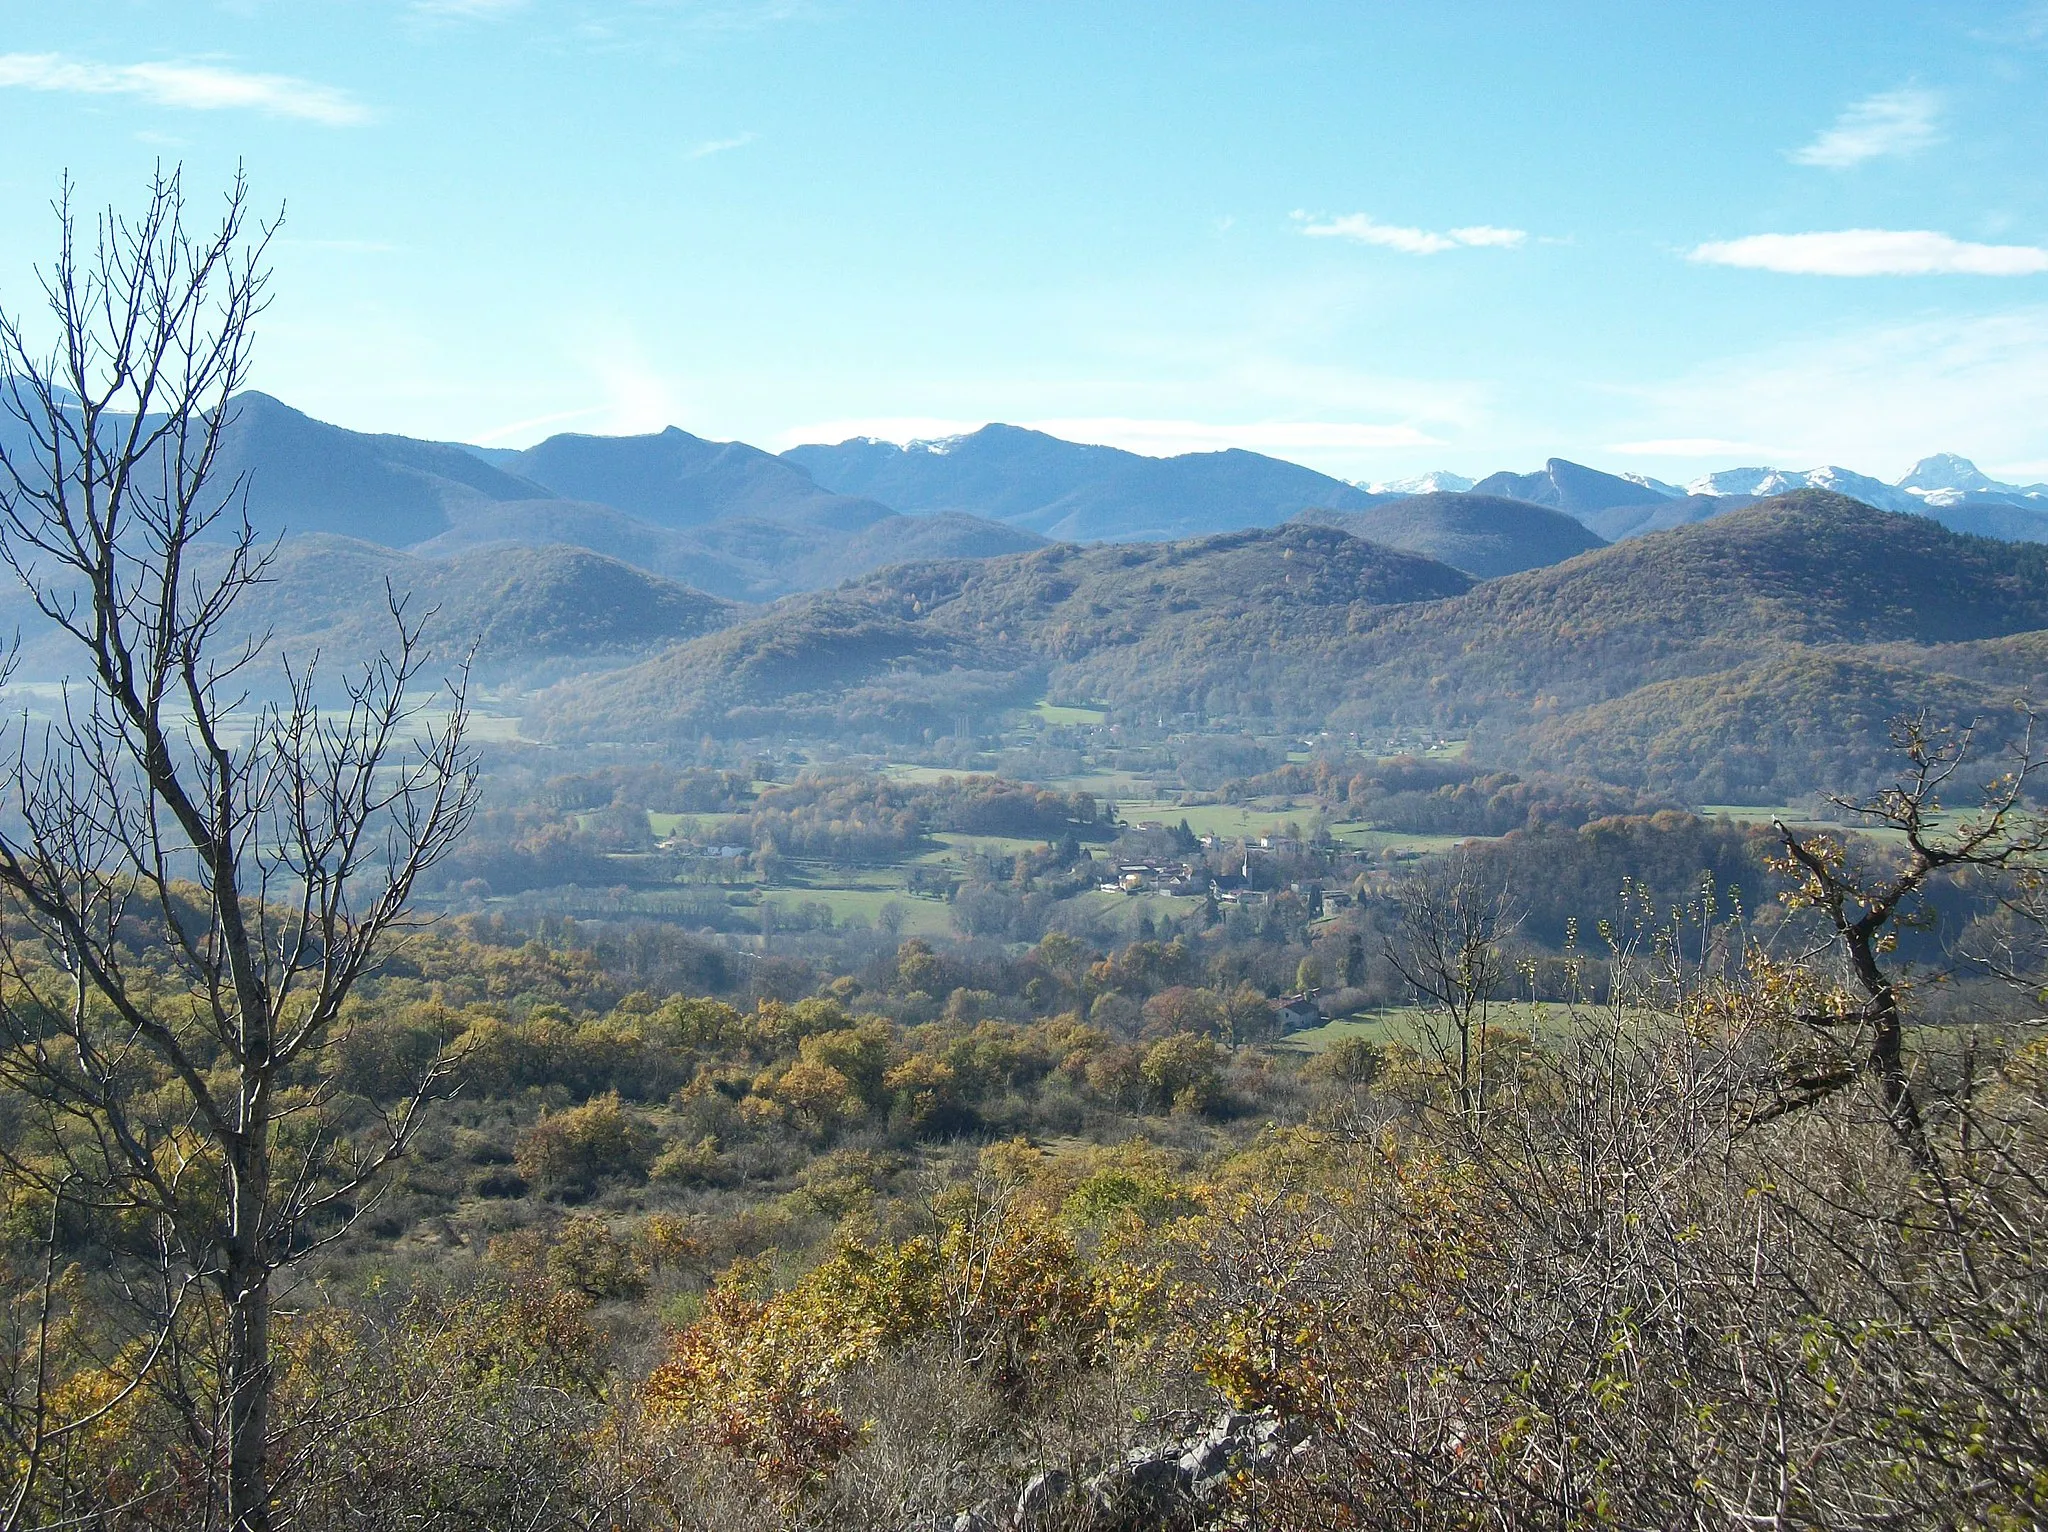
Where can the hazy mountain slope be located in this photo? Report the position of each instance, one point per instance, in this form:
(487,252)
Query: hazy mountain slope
(1077,492)
(304,475)
(1484,535)
(1990,514)
(1193,626)
(1570,487)
(1618,522)
(522,606)
(898,539)
(677,480)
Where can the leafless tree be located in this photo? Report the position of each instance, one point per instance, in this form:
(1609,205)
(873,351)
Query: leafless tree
(1447,951)
(194,880)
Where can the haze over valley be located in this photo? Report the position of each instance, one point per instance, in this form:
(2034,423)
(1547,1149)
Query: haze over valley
(804,766)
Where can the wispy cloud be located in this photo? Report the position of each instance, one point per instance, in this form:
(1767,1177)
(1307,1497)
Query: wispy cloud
(1367,230)
(712,146)
(1876,399)
(1153,438)
(1873,253)
(1893,122)
(188,86)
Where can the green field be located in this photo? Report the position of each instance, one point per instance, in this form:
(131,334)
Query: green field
(1053,713)
(896,771)
(1259,817)
(1407,1024)
(1158,906)
(1360,838)
(921,917)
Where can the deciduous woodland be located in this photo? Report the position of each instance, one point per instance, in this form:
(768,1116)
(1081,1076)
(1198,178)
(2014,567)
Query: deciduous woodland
(1262,1032)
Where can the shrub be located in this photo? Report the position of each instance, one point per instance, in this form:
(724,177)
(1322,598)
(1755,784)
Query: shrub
(602,1138)
(1182,1073)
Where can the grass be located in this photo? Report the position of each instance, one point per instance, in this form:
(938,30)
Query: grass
(921,917)
(898,772)
(1361,838)
(953,846)
(1259,817)
(1407,1024)
(1157,905)
(1053,713)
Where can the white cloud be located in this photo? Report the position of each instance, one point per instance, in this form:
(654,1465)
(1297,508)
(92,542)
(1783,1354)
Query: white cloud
(192,87)
(1893,122)
(1367,230)
(1487,234)
(711,146)
(1153,438)
(1873,253)
(1871,399)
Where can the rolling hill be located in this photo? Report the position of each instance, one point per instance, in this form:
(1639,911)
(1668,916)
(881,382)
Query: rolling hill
(1738,656)
(529,610)
(1204,626)
(1075,492)
(1484,535)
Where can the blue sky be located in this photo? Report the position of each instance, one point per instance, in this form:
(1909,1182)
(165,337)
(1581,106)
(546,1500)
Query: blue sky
(1375,238)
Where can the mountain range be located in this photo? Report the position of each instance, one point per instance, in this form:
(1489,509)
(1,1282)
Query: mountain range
(1743,634)
(1077,493)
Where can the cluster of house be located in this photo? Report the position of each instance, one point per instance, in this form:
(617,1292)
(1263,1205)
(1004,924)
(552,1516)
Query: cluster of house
(1153,876)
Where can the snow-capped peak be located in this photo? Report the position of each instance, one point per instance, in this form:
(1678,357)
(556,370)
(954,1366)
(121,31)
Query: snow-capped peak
(1944,470)
(1441,482)
(1780,481)
(1656,486)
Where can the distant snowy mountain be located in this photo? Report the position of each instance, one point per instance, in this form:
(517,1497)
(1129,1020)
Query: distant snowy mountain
(1442,482)
(1782,481)
(1656,486)
(1947,471)
(1948,480)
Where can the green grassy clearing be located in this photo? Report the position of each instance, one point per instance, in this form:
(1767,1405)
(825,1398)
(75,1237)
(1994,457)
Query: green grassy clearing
(921,917)
(953,847)
(898,772)
(1053,713)
(1156,905)
(1259,817)
(1408,1024)
(1360,838)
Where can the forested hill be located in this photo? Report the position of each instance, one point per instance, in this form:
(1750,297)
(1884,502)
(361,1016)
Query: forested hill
(1074,491)
(1810,567)
(1484,535)
(532,613)
(1784,636)
(1762,652)
(1221,620)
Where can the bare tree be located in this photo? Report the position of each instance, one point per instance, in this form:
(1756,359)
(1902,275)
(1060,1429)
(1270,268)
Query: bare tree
(1447,951)
(1865,902)
(194,879)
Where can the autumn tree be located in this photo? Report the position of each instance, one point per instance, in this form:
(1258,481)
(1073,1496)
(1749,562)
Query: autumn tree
(1866,899)
(194,880)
